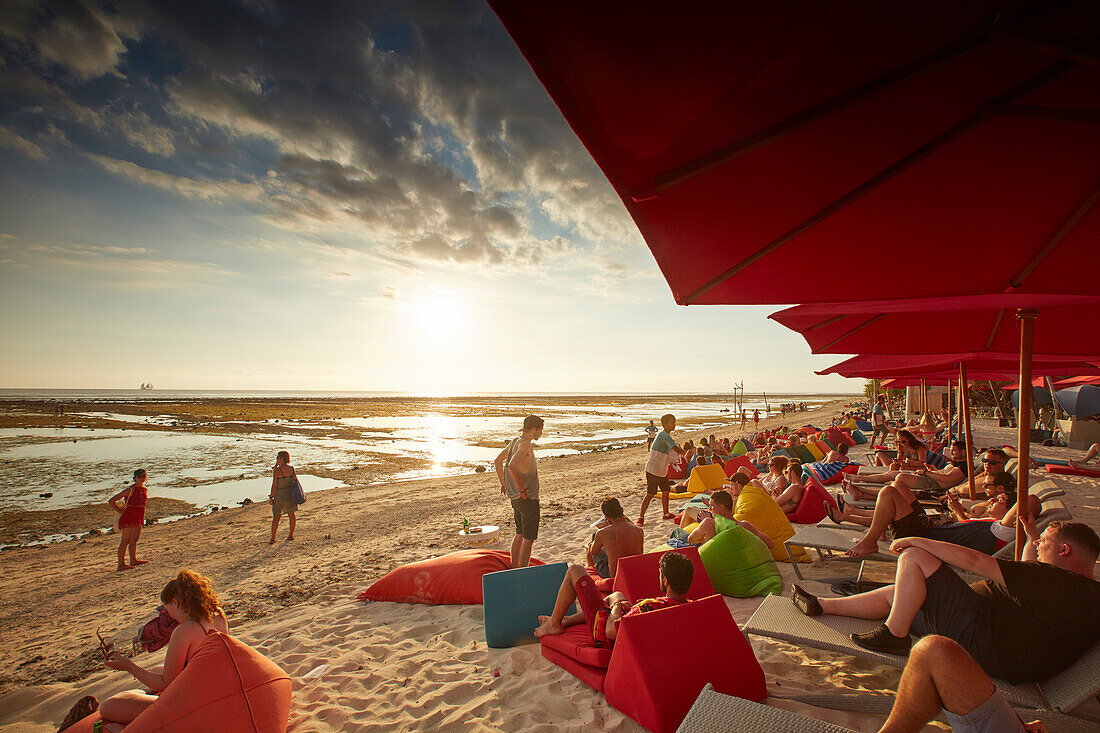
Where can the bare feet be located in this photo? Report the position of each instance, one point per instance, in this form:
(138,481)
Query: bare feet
(123,566)
(1073,465)
(548,627)
(272,541)
(864,547)
(290,537)
(135,563)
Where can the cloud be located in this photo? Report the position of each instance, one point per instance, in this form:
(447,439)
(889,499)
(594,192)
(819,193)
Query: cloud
(416,132)
(9,139)
(76,36)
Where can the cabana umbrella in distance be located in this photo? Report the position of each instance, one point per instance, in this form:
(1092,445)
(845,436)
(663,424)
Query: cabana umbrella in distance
(1074,381)
(980,317)
(1081,401)
(1039,396)
(762,147)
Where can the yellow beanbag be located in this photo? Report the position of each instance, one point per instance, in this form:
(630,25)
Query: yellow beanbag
(758,508)
(706,478)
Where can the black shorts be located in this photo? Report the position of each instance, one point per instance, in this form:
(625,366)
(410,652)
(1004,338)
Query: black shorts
(955,610)
(526,514)
(653,484)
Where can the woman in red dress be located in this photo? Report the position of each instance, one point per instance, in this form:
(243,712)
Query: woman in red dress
(131,520)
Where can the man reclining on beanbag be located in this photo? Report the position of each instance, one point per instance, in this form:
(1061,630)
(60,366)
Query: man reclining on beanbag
(602,616)
(615,537)
(718,518)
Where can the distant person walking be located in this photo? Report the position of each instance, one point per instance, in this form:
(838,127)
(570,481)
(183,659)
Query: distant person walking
(518,472)
(652,430)
(282,481)
(656,468)
(131,518)
(878,421)
(756,419)
(742,419)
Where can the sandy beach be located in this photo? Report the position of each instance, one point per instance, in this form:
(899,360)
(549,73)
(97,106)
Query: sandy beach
(379,666)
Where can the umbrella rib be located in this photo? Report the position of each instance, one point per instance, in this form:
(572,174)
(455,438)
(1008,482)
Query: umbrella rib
(784,127)
(993,331)
(1066,114)
(1060,233)
(1043,77)
(1079,50)
(858,328)
(827,322)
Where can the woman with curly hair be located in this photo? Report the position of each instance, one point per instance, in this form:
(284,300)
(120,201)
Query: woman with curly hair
(189,598)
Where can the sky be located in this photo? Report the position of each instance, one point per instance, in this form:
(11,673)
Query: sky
(254,194)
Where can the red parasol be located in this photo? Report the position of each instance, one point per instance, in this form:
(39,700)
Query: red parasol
(761,147)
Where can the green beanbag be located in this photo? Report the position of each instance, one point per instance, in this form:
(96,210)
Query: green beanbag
(740,565)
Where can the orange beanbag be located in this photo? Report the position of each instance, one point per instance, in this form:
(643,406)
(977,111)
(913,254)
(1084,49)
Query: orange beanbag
(227,686)
(451,579)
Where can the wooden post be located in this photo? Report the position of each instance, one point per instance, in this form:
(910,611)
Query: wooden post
(1026,317)
(1057,407)
(964,407)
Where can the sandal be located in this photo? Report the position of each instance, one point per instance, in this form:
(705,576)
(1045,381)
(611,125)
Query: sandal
(829,512)
(805,602)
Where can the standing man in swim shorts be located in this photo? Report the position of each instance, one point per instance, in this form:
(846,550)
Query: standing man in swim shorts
(651,433)
(519,481)
(661,454)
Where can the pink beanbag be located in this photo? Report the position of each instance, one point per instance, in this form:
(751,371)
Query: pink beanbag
(450,579)
(227,686)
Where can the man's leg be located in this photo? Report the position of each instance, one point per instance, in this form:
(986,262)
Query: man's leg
(521,551)
(650,492)
(892,504)
(567,594)
(664,504)
(939,674)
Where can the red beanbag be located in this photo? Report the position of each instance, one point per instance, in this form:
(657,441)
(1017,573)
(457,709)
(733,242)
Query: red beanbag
(812,507)
(451,579)
(227,686)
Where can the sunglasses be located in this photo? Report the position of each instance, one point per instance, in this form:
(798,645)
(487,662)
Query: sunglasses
(992,460)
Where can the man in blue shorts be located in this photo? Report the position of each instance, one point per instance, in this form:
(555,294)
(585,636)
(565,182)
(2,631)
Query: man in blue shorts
(661,454)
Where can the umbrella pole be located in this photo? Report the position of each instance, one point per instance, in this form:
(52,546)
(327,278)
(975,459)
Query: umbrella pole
(964,409)
(1054,401)
(950,411)
(1026,317)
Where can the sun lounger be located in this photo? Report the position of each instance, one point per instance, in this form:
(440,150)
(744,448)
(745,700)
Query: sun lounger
(712,712)
(829,540)
(777,618)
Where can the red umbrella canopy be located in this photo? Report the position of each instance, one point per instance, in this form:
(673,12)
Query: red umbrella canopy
(1074,381)
(936,326)
(946,366)
(760,146)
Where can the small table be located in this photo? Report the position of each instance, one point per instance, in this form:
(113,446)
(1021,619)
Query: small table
(479,535)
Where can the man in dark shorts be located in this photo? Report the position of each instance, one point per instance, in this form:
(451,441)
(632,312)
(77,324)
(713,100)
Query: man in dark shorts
(615,537)
(661,454)
(601,615)
(518,472)
(1027,622)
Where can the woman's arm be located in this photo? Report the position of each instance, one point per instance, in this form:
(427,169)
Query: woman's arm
(174,660)
(125,493)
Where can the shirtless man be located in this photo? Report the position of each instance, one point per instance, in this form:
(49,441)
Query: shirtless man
(519,481)
(615,537)
(603,615)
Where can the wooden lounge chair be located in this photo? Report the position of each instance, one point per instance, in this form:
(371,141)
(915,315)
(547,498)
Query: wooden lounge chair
(713,712)
(777,618)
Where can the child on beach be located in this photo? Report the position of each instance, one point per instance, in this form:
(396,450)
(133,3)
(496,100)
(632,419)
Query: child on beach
(131,519)
(282,480)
